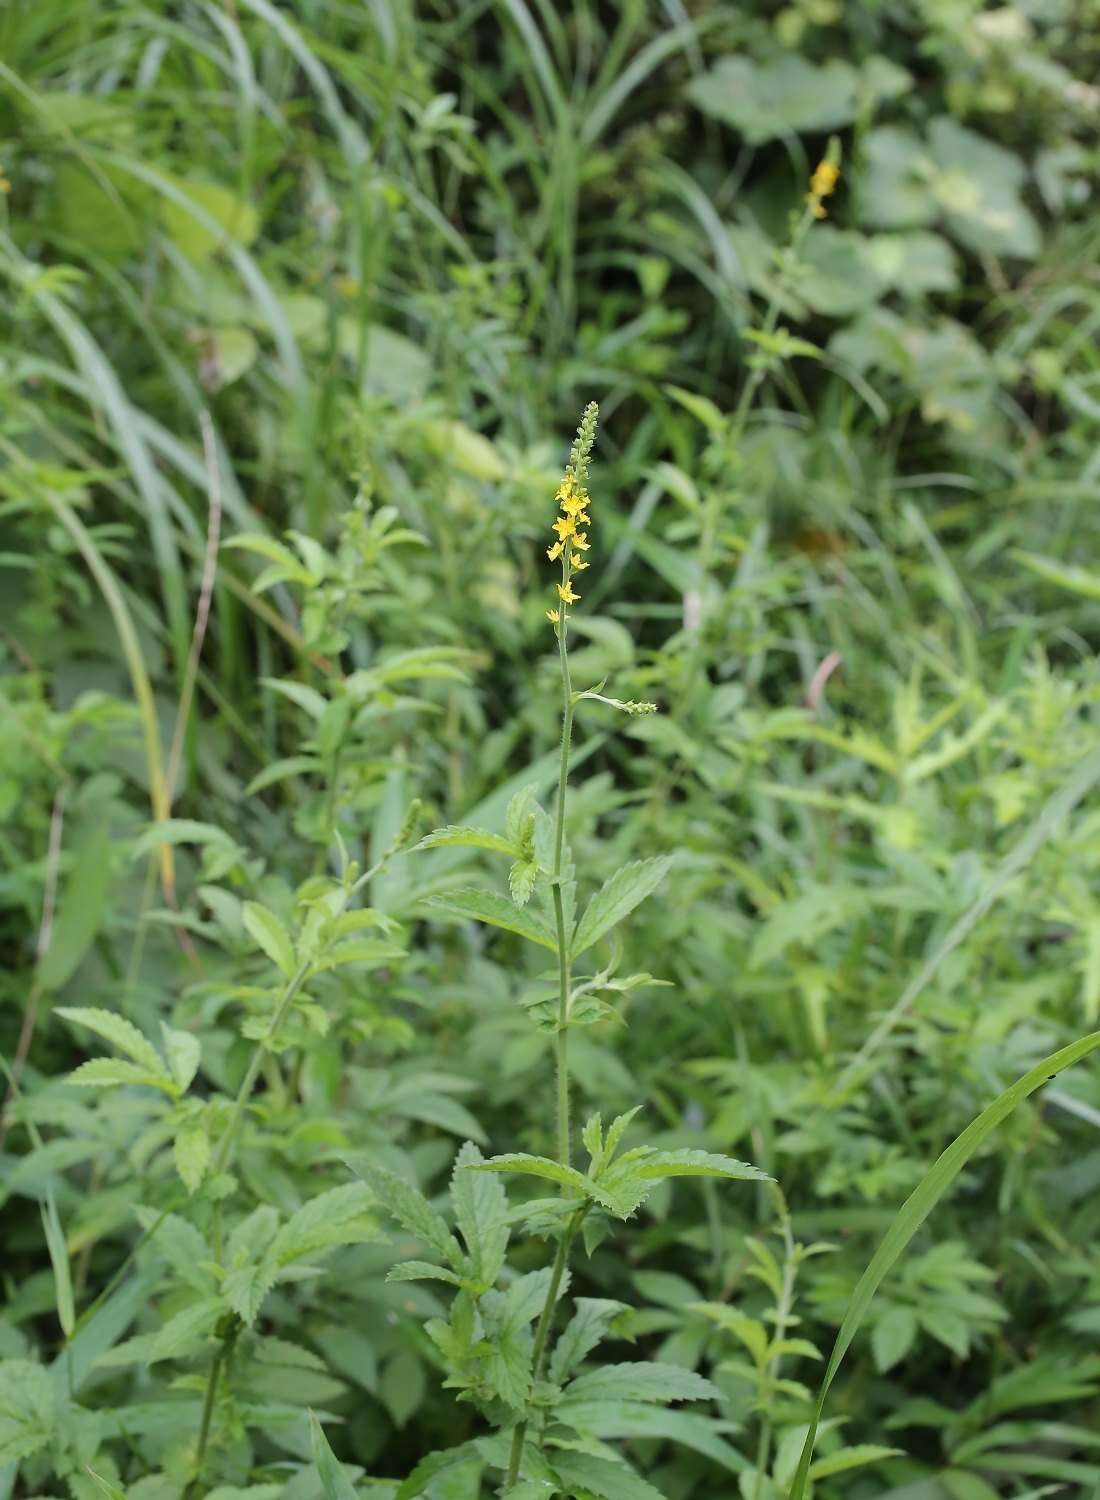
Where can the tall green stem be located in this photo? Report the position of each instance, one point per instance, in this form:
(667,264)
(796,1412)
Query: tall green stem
(561,1256)
(559,906)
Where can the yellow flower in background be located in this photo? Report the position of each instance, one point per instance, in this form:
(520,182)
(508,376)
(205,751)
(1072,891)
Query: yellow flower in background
(822,184)
(824,180)
(566,594)
(553,616)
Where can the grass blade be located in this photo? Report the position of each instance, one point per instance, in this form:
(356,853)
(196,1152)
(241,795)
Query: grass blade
(916,1209)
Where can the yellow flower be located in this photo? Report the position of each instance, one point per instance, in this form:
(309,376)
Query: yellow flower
(824,180)
(579,541)
(553,616)
(5,185)
(576,564)
(572,504)
(566,594)
(564,526)
(554,552)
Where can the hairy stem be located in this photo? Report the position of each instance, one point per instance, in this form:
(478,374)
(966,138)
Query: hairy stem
(542,1333)
(561,1256)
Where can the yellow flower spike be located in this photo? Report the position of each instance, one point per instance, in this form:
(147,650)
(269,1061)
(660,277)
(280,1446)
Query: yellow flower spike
(572,497)
(822,184)
(824,180)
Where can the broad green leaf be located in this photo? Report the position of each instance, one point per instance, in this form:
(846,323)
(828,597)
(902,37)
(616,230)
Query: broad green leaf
(335,1484)
(268,933)
(59,1262)
(626,889)
(178,831)
(916,1209)
(27,1410)
(464,837)
(280,770)
(117,1030)
(412,1210)
(80,910)
(892,1336)
(222,216)
(486,906)
(851,1458)
(766,101)
(184,1053)
(640,1382)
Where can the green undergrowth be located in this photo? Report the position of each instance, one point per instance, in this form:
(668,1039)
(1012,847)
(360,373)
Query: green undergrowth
(405,1097)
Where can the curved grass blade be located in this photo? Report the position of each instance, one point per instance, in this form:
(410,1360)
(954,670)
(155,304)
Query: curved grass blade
(916,1209)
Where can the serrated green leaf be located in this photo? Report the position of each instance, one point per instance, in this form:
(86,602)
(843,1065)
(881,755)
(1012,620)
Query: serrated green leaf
(591,1319)
(184,1332)
(498,911)
(626,889)
(191,1150)
(412,1210)
(340,1216)
(481,1212)
(689,1163)
(118,1031)
(422,1270)
(601,1477)
(640,1382)
(111,1072)
(269,934)
(536,1166)
(27,1411)
(465,837)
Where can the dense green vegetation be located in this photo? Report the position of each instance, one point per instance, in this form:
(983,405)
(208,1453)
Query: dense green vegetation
(302,305)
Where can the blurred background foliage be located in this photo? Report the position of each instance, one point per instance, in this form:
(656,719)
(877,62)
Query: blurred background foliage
(847,539)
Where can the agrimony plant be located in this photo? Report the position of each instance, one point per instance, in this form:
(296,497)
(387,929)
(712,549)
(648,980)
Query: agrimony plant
(498,1345)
